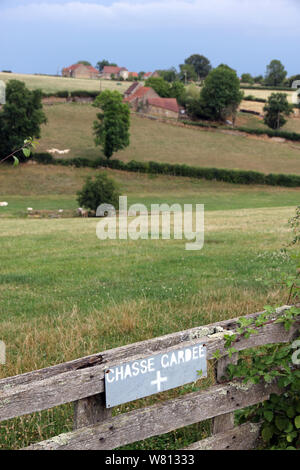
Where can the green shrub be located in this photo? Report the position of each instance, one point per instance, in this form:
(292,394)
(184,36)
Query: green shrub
(100,190)
(43,158)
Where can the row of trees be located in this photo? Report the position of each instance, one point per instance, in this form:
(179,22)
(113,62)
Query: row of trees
(197,67)
(276,75)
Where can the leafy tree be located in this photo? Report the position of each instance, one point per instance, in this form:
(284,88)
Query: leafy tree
(166,89)
(275,73)
(201,64)
(259,79)
(101,190)
(276,109)
(159,85)
(102,63)
(112,128)
(187,73)
(221,95)
(21,116)
(170,75)
(247,78)
(84,62)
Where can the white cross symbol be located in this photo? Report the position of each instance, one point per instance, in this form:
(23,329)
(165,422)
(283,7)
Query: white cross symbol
(158,380)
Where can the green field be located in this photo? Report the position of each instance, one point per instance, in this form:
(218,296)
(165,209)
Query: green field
(70,127)
(65,294)
(50,84)
(292,125)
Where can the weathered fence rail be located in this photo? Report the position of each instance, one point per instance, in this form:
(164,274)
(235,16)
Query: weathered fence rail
(82,381)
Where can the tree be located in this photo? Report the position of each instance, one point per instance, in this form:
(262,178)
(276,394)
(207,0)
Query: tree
(159,85)
(259,79)
(247,78)
(101,190)
(187,73)
(84,62)
(201,64)
(102,63)
(275,74)
(166,89)
(21,116)
(276,109)
(170,75)
(221,95)
(112,128)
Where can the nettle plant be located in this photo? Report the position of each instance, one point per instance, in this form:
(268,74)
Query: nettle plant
(280,415)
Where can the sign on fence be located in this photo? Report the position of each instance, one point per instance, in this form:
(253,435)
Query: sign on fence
(157,373)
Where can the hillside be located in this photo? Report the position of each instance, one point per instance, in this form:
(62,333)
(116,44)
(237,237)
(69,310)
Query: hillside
(70,127)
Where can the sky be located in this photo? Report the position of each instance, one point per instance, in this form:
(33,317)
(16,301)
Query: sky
(42,36)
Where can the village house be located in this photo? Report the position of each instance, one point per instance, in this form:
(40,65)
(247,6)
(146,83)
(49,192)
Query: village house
(111,71)
(137,98)
(146,100)
(80,71)
(151,75)
(163,107)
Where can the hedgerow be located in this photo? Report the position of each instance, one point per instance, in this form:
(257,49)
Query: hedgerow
(218,174)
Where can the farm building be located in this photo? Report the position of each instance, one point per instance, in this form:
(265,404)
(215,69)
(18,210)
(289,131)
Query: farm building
(133,88)
(164,107)
(118,72)
(138,98)
(151,74)
(80,71)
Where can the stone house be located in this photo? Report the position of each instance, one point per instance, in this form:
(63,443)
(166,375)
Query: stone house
(117,72)
(162,107)
(80,71)
(138,98)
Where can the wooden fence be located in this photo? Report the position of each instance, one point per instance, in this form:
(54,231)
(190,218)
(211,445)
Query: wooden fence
(82,381)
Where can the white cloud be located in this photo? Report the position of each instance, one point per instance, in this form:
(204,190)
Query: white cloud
(248,16)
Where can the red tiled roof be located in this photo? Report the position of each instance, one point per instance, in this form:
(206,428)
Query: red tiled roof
(147,75)
(133,74)
(165,103)
(75,66)
(131,88)
(112,69)
(139,93)
(92,69)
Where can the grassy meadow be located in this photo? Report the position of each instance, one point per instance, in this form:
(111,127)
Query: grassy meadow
(70,127)
(49,84)
(65,294)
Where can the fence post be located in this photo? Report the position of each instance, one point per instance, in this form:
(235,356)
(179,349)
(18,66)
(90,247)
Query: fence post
(91,410)
(223,422)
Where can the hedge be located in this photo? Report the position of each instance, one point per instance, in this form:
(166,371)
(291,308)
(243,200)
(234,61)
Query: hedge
(294,136)
(279,88)
(218,174)
(75,93)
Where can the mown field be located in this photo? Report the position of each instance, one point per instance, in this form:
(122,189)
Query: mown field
(70,127)
(254,122)
(264,94)
(65,294)
(53,84)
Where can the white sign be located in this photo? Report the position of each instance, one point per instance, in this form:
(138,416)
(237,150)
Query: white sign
(160,372)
